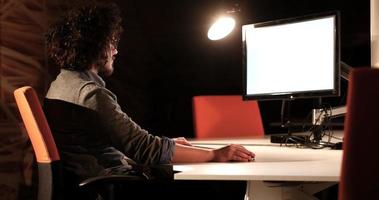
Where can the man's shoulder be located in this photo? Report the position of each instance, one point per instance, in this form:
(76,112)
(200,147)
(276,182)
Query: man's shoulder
(69,85)
(72,76)
(75,80)
(88,89)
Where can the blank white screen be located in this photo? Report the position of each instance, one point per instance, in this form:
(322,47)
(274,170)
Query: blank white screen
(290,58)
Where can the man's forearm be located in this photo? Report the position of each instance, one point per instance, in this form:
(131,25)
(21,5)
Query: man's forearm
(184,153)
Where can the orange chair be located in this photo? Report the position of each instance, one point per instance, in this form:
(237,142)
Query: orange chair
(360,163)
(50,176)
(226,116)
(42,141)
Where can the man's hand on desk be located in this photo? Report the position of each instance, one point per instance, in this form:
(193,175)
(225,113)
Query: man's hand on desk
(233,152)
(184,152)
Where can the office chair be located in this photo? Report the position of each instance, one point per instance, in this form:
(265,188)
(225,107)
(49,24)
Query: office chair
(52,184)
(225,116)
(360,163)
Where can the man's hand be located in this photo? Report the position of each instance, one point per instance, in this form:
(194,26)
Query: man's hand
(233,152)
(182,140)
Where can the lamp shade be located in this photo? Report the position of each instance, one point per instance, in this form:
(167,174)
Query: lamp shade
(222,27)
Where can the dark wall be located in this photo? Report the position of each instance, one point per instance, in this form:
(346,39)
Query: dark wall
(165,57)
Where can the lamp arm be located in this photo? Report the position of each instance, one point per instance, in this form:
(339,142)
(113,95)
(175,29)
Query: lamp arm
(345,70)
(319,115)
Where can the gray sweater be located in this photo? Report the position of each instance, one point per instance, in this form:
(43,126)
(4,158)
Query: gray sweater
(94,136)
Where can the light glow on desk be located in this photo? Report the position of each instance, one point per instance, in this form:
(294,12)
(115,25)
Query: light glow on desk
(182,168)
(307,170)
(272,163)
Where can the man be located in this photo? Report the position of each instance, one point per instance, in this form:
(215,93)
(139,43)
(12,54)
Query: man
(93,134)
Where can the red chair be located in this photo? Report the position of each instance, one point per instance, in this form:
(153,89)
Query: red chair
(360,164)
(52,183)
(226,116)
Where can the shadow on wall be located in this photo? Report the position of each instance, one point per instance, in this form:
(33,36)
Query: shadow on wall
(23,62)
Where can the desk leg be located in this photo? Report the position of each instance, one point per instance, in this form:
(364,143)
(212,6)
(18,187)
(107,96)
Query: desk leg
(247,193)
(257,190)
(271,190)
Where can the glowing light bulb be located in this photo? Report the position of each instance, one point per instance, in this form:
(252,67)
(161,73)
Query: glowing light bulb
(221,28)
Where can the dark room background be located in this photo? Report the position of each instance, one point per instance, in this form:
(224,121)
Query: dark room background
(164,59)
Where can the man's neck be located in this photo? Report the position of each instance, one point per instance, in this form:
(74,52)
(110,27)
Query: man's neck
(94,70)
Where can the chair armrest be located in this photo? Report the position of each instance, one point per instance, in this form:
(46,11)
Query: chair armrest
(153,173)
(106,186)
(109,179)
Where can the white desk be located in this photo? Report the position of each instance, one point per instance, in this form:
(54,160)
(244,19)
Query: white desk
(297,173)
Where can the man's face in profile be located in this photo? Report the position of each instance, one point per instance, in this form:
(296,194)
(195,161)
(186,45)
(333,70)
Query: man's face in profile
(107,69)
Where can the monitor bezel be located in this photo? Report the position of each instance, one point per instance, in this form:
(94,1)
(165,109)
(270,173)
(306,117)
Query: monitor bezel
(299,94)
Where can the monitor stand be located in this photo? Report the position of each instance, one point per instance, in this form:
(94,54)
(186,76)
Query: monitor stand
(289,137)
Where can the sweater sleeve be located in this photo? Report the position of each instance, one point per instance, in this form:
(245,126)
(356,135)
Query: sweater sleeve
(124,133)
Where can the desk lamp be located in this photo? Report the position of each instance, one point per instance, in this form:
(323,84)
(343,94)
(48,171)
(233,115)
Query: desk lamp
(224,24)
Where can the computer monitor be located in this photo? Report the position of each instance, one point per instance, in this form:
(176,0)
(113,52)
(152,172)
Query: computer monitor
(292,58)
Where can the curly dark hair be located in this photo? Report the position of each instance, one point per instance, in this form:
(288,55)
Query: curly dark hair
(83,36)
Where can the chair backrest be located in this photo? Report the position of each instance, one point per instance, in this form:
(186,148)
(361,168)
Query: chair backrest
(226,116)
(36,125)
(360,163)
(45,150)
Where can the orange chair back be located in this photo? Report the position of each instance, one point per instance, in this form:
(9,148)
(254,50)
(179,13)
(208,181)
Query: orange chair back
(226,116)
(36,125)
(360,163)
